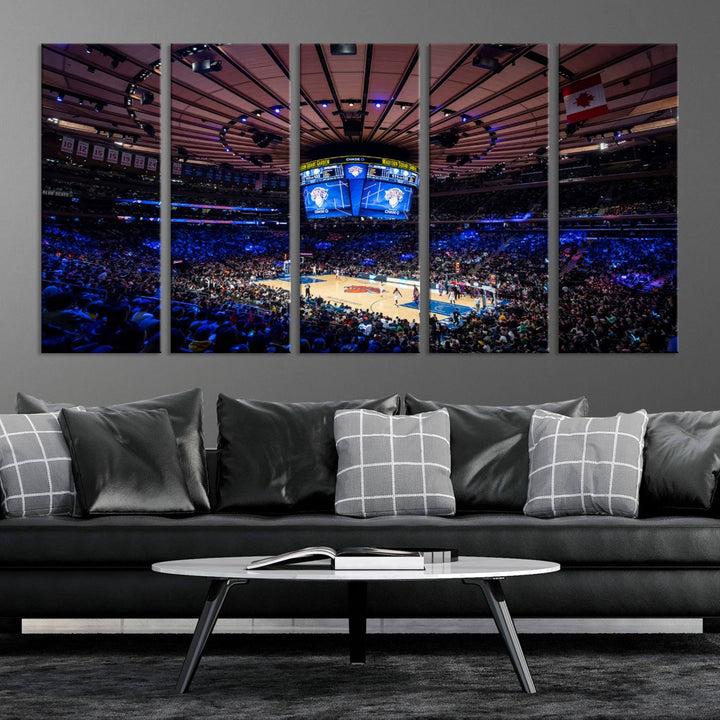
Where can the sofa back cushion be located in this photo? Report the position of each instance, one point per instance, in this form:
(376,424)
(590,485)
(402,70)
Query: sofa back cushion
(682,462)
(278,458)
(489,450)
(185,412)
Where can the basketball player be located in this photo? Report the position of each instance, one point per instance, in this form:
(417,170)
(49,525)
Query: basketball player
(416,296)
(397,295)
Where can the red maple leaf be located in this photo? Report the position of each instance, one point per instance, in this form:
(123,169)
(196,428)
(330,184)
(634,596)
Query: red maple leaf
(584,100)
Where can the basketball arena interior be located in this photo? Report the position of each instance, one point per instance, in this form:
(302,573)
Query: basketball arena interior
(359,284)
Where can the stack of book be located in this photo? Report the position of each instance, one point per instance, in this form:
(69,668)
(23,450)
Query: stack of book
(360,558)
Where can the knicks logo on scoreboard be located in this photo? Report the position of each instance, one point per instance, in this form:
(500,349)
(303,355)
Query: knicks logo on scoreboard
(394,197)
(319,195)
(355,170)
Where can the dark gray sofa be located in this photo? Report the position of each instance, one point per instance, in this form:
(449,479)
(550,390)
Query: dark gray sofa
(611,566)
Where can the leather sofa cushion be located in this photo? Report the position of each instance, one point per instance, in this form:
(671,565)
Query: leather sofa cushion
(138,541)
(185,411)
(276,457)
(125,462)
(681,463)
(489,450)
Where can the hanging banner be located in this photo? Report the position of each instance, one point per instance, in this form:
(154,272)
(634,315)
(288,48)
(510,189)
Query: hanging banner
(98,152)
(126,159)
(68,144)
(140,162)
(177,168)
(112,155)
(83,147)
(152,164)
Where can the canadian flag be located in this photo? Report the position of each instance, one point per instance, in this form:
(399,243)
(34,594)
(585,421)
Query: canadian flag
(584,99)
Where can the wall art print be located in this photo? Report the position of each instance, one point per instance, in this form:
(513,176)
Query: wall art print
(230,163)
(488,198)
(359,181)
(618,198)
(100,198)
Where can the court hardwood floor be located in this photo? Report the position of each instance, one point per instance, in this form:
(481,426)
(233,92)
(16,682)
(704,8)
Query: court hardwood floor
(366,296)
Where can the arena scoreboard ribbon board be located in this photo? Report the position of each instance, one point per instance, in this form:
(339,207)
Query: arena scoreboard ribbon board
(358,187)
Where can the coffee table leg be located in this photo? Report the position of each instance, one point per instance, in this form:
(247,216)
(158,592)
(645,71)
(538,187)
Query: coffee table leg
(213,604)
(495,597)
(357,620)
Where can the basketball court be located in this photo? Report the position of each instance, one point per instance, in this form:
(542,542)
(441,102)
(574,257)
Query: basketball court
(374,296)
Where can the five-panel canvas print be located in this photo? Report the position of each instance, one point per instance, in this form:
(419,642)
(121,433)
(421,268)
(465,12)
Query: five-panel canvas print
(492,228)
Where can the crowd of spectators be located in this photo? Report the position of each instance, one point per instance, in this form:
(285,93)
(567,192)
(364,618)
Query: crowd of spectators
(515,264)
(218,303)
(100,283)
(618,294)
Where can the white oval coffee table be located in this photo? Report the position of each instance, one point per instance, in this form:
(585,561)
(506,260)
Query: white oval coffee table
(485,572)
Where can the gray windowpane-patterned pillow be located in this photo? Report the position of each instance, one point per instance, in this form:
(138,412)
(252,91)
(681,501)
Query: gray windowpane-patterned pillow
(393,465)
(35,470)
(585,466)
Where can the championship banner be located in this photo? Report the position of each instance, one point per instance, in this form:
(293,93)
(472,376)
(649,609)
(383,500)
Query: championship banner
(112,155)
(98,152)
(68,144)
(126,159)
(140,162)
(177,168)
(584,99)
(83,148)
(152,164)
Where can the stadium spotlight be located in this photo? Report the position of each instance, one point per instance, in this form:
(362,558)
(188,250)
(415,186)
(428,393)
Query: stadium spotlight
(149,129)
(277,109)
(343,49)
(100,106)
(257,113)
(146,98)
(60,97)
(81,101)
(243,118)
(206,66)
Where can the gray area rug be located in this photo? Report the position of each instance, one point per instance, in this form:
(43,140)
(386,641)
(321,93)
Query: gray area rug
(308,676)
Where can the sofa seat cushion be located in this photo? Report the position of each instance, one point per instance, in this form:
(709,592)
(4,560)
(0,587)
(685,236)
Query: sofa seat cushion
(139,540)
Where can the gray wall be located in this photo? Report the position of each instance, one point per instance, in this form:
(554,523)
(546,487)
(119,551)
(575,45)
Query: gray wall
(624,382)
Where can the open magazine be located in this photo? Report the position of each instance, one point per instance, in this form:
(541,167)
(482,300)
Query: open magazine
(350,558)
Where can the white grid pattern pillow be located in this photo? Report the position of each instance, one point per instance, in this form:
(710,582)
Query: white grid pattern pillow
(585,466)
(393,465)
(35,469)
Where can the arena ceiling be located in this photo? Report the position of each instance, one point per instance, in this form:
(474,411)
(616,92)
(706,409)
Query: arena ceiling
(231,103)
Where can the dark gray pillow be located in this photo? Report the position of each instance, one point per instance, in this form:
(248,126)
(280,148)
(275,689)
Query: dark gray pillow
(277,458)
(682,462)
(185,411)
(35,474)
(125,462)
(393,465)
(586,465)
(489,450)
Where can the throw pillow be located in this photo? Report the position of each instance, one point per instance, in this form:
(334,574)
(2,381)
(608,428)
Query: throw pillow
(125,462)
(185,411)
(682,461)
(393,465)
(35,472)
(585,466)
(488,446)
(276,457)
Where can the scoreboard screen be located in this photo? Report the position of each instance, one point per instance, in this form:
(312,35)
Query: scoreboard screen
(358,186)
